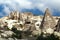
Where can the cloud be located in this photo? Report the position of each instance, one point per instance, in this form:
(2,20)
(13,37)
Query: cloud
(18,5)
(6,10)
(53,3)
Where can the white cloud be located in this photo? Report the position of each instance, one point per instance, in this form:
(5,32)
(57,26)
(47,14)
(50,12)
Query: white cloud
(54,4)
(51,4)
(15,5)
(41,6)
(6,10)
(30,4)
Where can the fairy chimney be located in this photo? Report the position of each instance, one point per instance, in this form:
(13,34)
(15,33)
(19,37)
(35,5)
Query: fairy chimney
(48,21)
(11,15)
(15,15)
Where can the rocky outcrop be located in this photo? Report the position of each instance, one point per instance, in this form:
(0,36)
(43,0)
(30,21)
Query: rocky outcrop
(58,26)
(26,25)
(48,22)
(14,15)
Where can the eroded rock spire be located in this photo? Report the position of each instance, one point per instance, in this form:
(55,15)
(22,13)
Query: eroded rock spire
(48,21)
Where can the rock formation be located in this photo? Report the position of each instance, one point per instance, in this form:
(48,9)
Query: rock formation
(26,25)
(58,26)
(11,15)
(48,21)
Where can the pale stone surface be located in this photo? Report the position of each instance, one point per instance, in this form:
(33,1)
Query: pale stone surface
(49,30)
(7,34)
(57,34)
(48,22)
(36,32)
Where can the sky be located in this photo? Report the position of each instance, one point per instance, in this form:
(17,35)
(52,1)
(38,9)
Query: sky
(37,7)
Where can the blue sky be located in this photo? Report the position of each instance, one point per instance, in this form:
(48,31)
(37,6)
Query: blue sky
(37,7)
